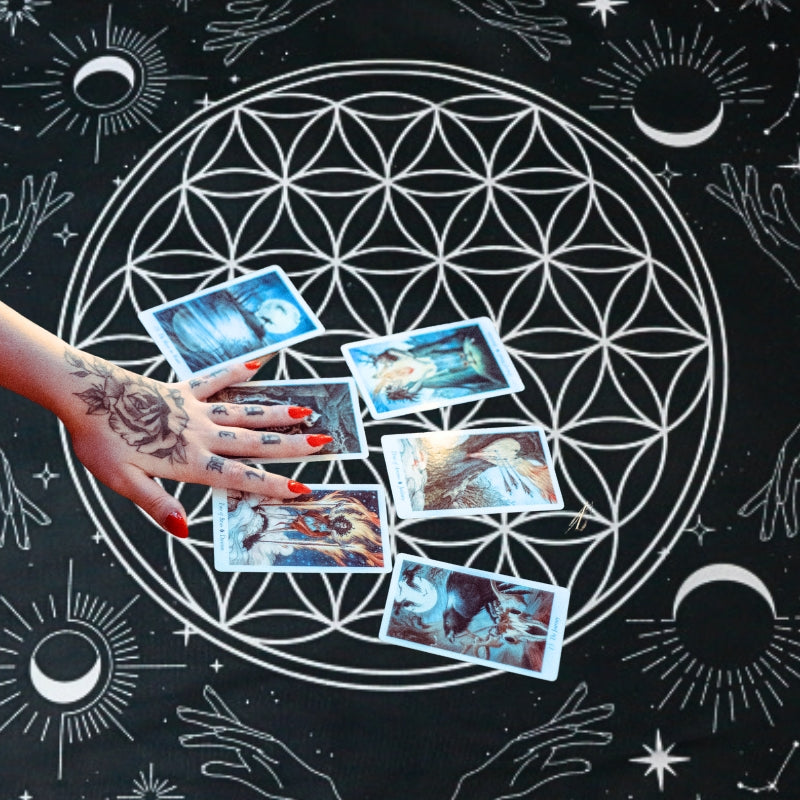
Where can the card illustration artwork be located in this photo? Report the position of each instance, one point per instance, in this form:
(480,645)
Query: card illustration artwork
(336,412)
(244,318)
(431,368)
(468,472)
(336,528)
(472,615)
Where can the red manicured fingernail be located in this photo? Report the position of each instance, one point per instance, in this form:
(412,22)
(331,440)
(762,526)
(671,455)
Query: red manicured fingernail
(176,524)
(252,364)
(296,412)
(298,488)
(318,439)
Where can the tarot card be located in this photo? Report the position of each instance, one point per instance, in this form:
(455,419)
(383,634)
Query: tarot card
(468,472)
(472,615)
(244,318)
(431,368)
(338,528)
(336,412)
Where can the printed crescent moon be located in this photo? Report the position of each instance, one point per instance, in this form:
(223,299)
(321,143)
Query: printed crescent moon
(684,139)
(115,64)
(65,692)
(715,573)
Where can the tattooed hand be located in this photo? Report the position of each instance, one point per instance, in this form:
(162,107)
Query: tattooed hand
(128,429)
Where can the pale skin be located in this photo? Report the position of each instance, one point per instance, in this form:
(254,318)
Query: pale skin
(128,429)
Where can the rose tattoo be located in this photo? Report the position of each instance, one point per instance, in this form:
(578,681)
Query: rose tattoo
(145,418)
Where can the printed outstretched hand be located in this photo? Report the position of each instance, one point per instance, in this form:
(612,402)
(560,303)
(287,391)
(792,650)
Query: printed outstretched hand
(771,225)
(536,30)
(777,499)
(532,758)
(35,208)
(255,759)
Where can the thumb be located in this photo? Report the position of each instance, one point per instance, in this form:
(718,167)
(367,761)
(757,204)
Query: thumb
(156,501)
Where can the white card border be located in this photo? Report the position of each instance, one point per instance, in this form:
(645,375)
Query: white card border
(492,337)
(551,660)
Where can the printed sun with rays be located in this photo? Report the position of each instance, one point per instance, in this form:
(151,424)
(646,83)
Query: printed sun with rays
(675,86)
(397,197)
(102,84)
(69,668)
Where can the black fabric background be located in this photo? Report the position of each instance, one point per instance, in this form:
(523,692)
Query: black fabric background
(397,744)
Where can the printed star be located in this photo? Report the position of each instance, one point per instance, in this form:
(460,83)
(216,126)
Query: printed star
(204,101)
(603,7)
(668,174)
(45,476)
(216,666)
(187,633)
(65,234)
(792,165)
(660,760)
(699,530)
(26,796)
(97,537)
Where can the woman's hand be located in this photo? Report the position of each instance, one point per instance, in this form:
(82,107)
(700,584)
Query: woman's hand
(127,430)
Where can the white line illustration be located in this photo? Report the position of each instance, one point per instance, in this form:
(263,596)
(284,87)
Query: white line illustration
(777,499)
(772,786)
(643,76)
(768,219)
(764,6)
(65,86)
(538,756)
(257,759)
(149,787)
(646,336)
(16,11)
(699,530)
(538,31)
(65,234)
(16,509)
(252,20)
(45,475)
(4,124)
(35,208)
(70,668)
(697,675)
(789,108)
(659,760)
(603,8)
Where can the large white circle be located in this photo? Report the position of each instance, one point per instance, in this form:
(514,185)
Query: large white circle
(397,195)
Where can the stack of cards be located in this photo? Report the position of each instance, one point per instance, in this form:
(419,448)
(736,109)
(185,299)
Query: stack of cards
(466,614)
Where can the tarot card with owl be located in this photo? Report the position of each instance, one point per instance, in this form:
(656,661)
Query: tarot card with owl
(468,472)
(496,621)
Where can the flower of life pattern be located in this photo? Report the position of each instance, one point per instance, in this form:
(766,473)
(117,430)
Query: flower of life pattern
(398,196)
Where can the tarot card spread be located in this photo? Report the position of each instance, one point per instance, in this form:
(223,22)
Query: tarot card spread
(431,368)
(468,472)
(334,529)
(244,318)
(472,615)
(336,413)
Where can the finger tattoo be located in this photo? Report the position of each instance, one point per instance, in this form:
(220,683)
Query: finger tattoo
(215,464)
